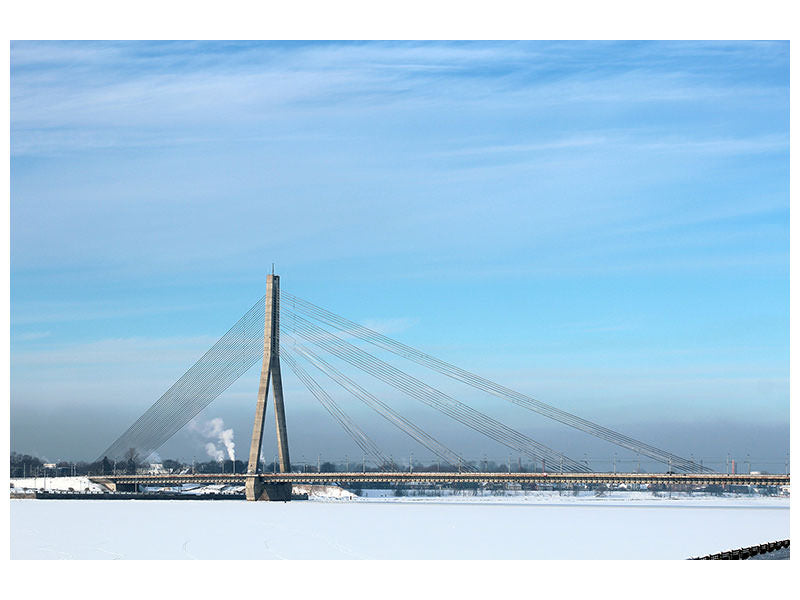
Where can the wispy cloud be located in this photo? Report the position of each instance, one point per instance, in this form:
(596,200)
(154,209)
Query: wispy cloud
(30,336)
(34,313)
(757,144)
(117,352)
(467,149)
(616,142)
(129,94)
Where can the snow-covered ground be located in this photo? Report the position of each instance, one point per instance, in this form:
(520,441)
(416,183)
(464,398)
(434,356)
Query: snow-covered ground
(82,484)
(535,525)
(316,492)
(65,484)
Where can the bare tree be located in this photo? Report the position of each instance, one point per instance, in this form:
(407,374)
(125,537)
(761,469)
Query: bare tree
(131,460)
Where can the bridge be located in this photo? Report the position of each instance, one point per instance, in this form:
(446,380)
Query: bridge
(311,336)
(672,479)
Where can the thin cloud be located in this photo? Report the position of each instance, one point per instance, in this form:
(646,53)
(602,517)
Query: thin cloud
(61,88)
(119,352)
(30,336)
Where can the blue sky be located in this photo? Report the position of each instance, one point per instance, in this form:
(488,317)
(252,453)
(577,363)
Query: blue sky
(602,225)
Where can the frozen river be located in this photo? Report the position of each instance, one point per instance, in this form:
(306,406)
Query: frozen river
(540,527)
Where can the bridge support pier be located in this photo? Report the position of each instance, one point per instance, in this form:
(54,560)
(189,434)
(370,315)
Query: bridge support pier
(126,487)
(115,486)
(256,490)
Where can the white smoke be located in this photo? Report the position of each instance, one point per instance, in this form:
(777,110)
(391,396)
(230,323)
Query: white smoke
(215,430)
(226,437)
(214,452)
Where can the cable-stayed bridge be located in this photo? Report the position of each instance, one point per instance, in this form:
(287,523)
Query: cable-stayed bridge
(282,327)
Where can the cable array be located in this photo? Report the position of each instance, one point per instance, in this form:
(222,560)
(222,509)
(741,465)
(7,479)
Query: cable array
(430,396)
(380,407)
(242,345)
(362,440)
(384,410)
(359,331)
(227,360)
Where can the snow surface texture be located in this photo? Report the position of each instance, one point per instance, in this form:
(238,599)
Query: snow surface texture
(82,484)
(323,491)
(64,484)
(528,527)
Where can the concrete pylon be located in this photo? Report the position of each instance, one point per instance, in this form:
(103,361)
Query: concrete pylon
(270,368)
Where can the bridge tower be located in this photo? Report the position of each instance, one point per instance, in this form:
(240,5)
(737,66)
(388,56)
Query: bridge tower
(255,488)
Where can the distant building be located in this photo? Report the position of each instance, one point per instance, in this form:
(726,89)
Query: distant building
(49,465)
(156,469)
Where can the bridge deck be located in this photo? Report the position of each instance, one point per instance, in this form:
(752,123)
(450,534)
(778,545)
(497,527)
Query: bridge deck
(449,478)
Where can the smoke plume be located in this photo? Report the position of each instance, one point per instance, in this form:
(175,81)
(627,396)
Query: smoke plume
(215,430)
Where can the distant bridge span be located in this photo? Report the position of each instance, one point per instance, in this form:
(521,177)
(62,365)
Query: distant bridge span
(120,482)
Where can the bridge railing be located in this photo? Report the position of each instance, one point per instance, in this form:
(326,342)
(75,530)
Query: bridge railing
(450,477)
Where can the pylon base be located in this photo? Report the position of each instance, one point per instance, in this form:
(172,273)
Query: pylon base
(255,490)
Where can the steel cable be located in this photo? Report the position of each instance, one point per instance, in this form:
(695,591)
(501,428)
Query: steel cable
(210,375)
(410,353)
(384,410)
(362,440)
(428,395)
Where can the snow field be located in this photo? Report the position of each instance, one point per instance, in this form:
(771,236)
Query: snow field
(64,484)
(401,528)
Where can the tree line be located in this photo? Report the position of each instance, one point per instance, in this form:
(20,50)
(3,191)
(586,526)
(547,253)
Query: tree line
(25,465)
